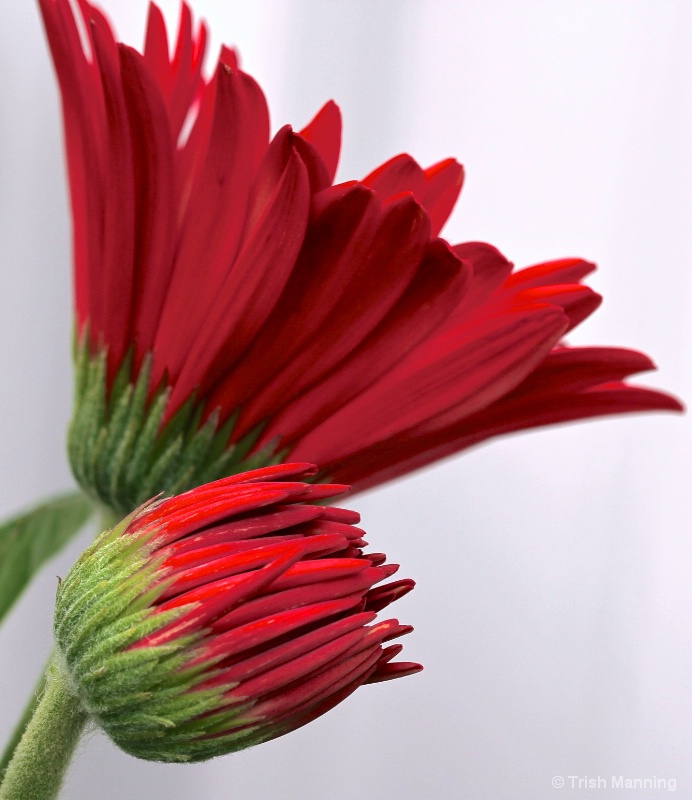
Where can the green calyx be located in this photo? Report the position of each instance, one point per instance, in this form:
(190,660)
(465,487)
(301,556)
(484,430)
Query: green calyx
(147,699)
(122,454)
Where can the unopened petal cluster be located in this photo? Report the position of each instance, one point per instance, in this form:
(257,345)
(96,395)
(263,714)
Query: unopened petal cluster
(235,307)
(218,619)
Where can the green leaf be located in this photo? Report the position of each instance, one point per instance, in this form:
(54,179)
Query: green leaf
(31,539)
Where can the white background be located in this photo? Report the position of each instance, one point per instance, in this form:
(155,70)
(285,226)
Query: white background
(554,568)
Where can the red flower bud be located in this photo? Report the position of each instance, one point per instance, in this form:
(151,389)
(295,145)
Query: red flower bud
(226,616)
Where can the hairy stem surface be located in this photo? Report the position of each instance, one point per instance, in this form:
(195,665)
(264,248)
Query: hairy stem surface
(41,759)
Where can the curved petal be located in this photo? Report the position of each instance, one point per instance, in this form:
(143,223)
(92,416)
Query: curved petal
(324,133)
(211,233)
(153,152)
(435,289)
(571,384)
(377,278)
(251,288)
(465,371)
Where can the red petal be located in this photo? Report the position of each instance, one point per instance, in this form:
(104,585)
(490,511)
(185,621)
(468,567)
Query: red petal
(566,270)
(156,52)
(116,269)
(251,288)
(388,672)
(254,634)
(153,165)
(208,565)
(216,213)
(211,601)
(578,302)
(393,257)
(290,649)
(444,182)
(324,132)
(490,270)
(352,585)
(432,294)
(573,384)
(85,134)
(382,596)
(182,520)
(309,692)
(459,373)
(249,528)
(302,665)
(400,174)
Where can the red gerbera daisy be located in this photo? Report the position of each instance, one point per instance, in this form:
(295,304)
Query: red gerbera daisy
(236,308)
(233,614)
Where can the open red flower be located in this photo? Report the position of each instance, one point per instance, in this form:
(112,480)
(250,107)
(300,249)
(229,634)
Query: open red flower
(233,614)
(222,274)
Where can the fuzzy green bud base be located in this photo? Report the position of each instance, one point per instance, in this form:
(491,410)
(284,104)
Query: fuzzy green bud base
(144,698)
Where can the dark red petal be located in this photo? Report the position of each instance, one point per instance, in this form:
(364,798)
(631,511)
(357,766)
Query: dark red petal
(186,68)
(578,302)
(251,288)
(229,56)
(197,568)
(436,188)
(393,256)
(566,270)
(156,51)
(152,155)
(85,141)
(215,215)
(459,374)
(117,267)
(354,584)
(324,132)
(337,241)
(541,402)
(569,369)
(443,185)
(388,672)
(400,174)
(211,601)
(317,688)
(396,630)
(285,518)
(432,294)
(254,634)
(490,270)
(382,596)
(283,652)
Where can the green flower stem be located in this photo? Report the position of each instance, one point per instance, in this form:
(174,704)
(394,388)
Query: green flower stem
(43,755)
(108,519)
(18,732)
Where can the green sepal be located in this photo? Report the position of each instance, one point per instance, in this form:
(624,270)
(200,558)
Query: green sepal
(148,699)
(123,448)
